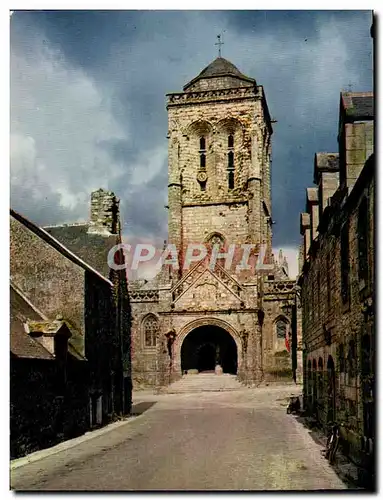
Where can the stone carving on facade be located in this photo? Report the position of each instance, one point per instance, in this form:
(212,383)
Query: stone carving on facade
(170,338)
(206,95)
(144,296)
(244,337)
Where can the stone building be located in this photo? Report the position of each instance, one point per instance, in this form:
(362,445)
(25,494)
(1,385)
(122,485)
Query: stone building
(208,314)
(75,298)
(48,380)
(337,282)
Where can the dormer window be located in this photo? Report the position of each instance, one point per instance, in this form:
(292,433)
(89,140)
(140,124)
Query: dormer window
(230,161)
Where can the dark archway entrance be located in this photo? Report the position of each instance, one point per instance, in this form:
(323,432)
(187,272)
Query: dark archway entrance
(207,346)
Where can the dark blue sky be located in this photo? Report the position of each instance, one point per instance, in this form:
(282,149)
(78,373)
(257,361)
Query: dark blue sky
(88,102)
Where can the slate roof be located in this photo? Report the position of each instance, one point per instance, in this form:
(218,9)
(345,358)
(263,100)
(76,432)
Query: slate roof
(92,248)
(358,105)
(220,67)
(21,344)
(59,246)
(325,162)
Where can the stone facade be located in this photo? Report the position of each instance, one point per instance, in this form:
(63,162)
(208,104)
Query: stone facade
(337,283)
(219,133)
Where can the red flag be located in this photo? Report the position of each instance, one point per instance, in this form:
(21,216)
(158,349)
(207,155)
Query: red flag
(287,342)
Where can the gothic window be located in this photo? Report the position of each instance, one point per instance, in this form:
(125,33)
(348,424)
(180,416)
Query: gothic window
(363,241)
(150,330)
(230,161)
(345,265)
(217,239)
(281,327)
(202,153)
(351,359)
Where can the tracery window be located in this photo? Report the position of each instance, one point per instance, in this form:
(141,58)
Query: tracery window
(217,239)
(150,330)
(281,327)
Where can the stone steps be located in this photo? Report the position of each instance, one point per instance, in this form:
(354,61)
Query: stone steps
(203,382)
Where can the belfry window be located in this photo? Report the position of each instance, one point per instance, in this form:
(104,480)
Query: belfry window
(202,153)
(230,161)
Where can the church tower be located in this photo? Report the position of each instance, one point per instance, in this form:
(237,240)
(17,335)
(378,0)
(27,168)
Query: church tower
(219,132)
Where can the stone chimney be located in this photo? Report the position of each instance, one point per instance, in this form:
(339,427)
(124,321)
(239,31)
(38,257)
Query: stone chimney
(356,135)
(104,213)
(305,227)
(326,177)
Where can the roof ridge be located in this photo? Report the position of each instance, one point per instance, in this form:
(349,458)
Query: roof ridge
(57,245)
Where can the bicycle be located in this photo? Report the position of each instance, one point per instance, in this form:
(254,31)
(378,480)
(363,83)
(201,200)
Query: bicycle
(332,443)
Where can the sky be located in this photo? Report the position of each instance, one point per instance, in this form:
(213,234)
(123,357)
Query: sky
(88,106)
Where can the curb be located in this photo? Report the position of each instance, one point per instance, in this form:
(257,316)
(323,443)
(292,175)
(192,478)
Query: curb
(66,445)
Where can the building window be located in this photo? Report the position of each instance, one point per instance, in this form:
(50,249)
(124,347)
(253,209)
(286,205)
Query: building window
(351,359)
(345,262)
(363,228)
(341,358)
(328,280)
(281,328)
(230,161)
(202,153)
(150,329)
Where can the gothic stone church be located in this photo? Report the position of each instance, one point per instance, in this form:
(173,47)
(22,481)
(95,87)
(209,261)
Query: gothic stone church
(198,319)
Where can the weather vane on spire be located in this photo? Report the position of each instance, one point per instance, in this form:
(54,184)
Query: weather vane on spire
(219,43)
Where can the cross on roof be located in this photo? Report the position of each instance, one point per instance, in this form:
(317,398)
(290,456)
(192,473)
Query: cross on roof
(219,43)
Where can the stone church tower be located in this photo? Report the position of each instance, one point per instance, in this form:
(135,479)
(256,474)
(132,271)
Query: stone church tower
(219,159)
(199,317)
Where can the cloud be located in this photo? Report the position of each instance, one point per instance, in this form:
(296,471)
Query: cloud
(58,119)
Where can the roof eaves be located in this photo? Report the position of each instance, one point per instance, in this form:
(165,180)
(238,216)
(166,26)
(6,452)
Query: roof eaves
(25,298)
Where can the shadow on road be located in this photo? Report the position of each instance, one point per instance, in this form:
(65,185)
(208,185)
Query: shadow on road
(140,408)
(346,471)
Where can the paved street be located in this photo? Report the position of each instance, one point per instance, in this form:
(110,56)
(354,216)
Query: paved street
(239,440)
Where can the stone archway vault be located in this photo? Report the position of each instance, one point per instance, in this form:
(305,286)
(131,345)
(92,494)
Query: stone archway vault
(208,321)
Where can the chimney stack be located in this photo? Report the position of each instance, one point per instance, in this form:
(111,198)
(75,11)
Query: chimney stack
(104,213)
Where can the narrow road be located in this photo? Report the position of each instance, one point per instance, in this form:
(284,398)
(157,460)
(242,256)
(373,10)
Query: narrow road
(240,440)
